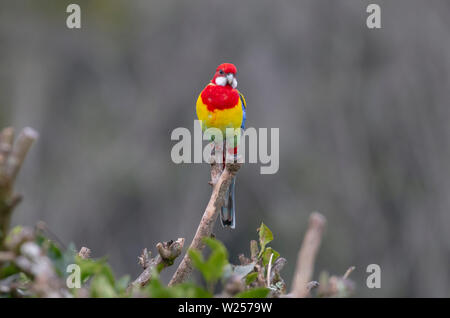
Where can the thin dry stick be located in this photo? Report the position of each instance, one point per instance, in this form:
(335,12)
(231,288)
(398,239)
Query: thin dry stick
(19,152)
(276,268)
(6,141)
(348,272)
(269,268)
(209,217)
(307,255)
(168,252)
(11,160)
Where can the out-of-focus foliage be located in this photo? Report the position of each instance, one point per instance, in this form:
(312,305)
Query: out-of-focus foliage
(156,289)
(211,269)
(259,292)
(103,283)
(45,273)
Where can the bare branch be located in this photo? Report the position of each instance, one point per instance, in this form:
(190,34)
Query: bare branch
(233,286)
(19,152)
(307,255)
(269,269)
(276,269)
(168,252)
(6,141)
(348,272)
(144,259)
(244,260)
(216,171)
(6,208)
(11,159)
(209,218)
(254,251)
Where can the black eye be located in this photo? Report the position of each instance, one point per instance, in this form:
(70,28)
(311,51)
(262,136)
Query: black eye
(221,72)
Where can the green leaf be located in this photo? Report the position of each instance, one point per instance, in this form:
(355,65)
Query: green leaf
(68,257)
(250,278)
(265,237)
(260,292)
(213,268)
(189,290)
(54,252)
(59,258)
(56,256)
(23,278)
(197,261)
(15,231)
(266,255)
(8,269)
(217,260)
(90,267)
(101,287)
(122,284)
(196,257)
(157,290)
(185,290)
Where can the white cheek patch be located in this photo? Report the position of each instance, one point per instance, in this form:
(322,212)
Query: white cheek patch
(234,84)
(222,81)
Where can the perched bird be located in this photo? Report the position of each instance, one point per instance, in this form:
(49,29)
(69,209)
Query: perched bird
(220,105)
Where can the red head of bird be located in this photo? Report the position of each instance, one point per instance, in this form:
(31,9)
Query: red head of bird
(225,75)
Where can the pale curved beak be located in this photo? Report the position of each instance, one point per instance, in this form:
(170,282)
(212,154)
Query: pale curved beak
(230,78)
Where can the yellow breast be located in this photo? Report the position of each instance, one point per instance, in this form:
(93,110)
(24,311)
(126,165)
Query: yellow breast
(220,119)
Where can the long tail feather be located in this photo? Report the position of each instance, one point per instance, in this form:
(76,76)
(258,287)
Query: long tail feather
(228,211)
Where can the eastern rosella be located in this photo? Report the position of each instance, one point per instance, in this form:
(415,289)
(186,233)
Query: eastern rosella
(220,105)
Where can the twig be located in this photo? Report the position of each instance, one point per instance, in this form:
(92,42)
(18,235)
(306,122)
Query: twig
(84,252)
(7,205)
(6,141)
(276,269)
(216,168)
(6,256)
(307,255)
(348,272)
(144,259)
(269,268)
(209,217)
(311,285)
(41,227)
(168,252)
(336,286)
(254,251)
(11,160)
(19,152)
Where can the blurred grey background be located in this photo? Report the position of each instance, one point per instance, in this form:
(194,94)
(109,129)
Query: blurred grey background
(363,117)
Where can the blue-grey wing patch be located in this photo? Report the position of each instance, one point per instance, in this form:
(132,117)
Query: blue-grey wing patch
(244,108)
